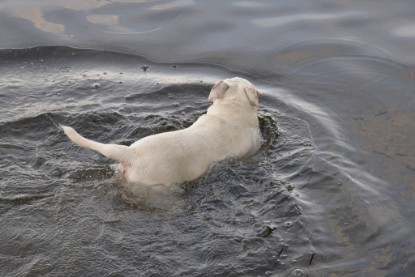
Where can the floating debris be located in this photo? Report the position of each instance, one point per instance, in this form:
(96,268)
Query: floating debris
(95,86)
(145,68)
(267,231)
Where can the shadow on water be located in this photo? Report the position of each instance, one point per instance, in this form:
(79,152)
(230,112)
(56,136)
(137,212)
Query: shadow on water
(293,207)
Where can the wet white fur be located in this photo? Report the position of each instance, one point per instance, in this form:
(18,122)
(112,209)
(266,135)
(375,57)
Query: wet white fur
(229,129)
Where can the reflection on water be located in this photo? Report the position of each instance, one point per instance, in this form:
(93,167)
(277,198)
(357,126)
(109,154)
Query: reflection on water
(330,192)
(280,21)
(43,18)
(407,31)
(36,13)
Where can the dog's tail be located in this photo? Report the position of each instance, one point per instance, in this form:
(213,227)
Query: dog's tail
(120,153)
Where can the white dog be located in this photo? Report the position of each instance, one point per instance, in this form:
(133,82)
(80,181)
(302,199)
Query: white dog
(229,129)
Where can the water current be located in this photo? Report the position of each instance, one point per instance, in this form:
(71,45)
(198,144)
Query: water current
(331,192)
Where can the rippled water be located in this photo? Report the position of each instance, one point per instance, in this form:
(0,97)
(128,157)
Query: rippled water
(330,193)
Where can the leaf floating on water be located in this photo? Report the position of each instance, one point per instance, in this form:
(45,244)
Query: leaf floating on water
(267,231)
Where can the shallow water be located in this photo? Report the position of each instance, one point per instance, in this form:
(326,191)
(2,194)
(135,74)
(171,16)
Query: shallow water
(330,193)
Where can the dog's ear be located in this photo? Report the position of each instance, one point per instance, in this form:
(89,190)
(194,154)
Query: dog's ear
(218,91)
(253,95)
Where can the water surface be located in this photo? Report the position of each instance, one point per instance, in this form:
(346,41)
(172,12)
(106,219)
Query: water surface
(330,193)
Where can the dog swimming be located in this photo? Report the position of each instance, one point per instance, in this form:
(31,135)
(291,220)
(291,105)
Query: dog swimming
(229,129)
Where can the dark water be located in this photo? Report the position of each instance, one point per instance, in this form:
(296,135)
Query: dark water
(330,193)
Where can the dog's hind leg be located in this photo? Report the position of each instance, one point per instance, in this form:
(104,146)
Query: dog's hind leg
(120,153)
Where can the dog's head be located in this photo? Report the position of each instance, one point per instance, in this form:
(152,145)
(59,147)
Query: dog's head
(235,89)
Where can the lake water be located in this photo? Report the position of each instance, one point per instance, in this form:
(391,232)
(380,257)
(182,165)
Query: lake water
(330,193)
